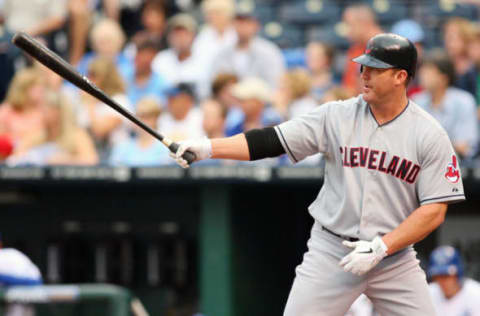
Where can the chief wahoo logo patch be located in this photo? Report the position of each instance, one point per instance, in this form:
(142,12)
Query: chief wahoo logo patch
(452,174)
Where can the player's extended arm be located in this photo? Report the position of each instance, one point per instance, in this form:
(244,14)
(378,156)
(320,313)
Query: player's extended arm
(235,147)
(253,145)
(415,227)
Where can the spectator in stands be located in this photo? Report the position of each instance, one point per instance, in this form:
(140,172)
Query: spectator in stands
(6,147)
(361,25)
(413,31)
(144,82)
(214,117)
(336,93)
(253,95)
(470,80)
(453,108)
(319,57)
(153,18)
(8,54)
(222,92)
(144,149)
(64,142)
(458,33)
(105,125)
(293,97)
(183,120)
(178,64)
(107,40)
(21,114)
(37,18)
(80,16)
(252,56)
(451,291)
(17,269)
(218,34)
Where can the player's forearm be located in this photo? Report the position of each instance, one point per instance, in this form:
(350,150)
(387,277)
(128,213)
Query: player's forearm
(417,226)
(234,147)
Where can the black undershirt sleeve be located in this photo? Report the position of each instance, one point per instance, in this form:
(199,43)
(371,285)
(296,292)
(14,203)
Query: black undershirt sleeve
(263,143)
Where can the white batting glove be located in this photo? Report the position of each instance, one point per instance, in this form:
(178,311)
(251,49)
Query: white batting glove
(365,255)
(202,148)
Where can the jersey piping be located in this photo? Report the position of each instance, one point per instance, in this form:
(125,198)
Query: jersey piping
(446,197)
(388,122)
(285,143)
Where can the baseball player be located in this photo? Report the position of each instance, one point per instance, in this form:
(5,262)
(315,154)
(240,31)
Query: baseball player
(390,174)
(17,269)
(452,293)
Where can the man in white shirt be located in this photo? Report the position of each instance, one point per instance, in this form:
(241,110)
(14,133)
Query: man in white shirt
(252,56)
(183,119)
(218,33)
(454,108)
(178,63)
(452,293)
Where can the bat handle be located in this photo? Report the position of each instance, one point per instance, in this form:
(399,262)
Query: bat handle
(187,155)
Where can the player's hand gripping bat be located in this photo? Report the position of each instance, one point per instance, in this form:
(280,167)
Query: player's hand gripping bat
(65,70)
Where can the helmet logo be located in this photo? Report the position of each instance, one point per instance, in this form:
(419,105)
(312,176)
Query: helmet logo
(368,50)
(452,174)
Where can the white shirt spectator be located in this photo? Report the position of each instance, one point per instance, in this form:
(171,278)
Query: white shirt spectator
(262,59)
(188,128)
(209,43)
(190,70)
(457,115)
(361,307)
(465,302)
(25,15)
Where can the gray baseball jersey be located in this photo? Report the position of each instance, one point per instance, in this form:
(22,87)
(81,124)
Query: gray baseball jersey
(375,175)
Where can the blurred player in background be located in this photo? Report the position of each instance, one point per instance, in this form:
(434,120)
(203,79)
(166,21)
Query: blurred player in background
(452,293)
(17,269)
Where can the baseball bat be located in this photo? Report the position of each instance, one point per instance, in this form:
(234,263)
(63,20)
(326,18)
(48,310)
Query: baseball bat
(54,62)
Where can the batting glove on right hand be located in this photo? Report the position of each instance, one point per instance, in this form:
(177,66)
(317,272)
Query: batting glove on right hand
(202,148)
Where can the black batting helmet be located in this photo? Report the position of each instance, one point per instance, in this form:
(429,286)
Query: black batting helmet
(389,50)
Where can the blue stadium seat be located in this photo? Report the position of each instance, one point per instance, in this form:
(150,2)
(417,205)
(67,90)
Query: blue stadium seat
(331,34)
(310,12)
(389,11)
(284,35)
(294,57)
(263,11)
(438,11)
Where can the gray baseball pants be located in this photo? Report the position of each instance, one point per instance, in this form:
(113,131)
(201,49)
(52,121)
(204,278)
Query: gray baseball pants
(397,286)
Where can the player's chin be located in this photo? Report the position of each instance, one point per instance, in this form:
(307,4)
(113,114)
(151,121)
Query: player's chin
(368,95)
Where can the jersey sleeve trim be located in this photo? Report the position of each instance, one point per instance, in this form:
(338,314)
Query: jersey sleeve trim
(446,198)
(285,145)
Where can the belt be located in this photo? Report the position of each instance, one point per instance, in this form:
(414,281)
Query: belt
(340,236)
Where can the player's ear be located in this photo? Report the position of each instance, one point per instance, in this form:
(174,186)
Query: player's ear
(401,76)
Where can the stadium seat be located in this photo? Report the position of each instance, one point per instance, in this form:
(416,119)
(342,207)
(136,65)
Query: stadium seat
(331,34)
(262,10)
(284,35)
(389,11)
(437,11)
(310,12)
(294,57)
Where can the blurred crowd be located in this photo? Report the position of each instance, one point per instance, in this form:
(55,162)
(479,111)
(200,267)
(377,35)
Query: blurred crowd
(199,70)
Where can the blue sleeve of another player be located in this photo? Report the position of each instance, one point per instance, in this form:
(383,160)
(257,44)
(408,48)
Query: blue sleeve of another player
(9,280)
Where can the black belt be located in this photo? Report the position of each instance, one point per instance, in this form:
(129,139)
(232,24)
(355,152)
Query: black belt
(352,239)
